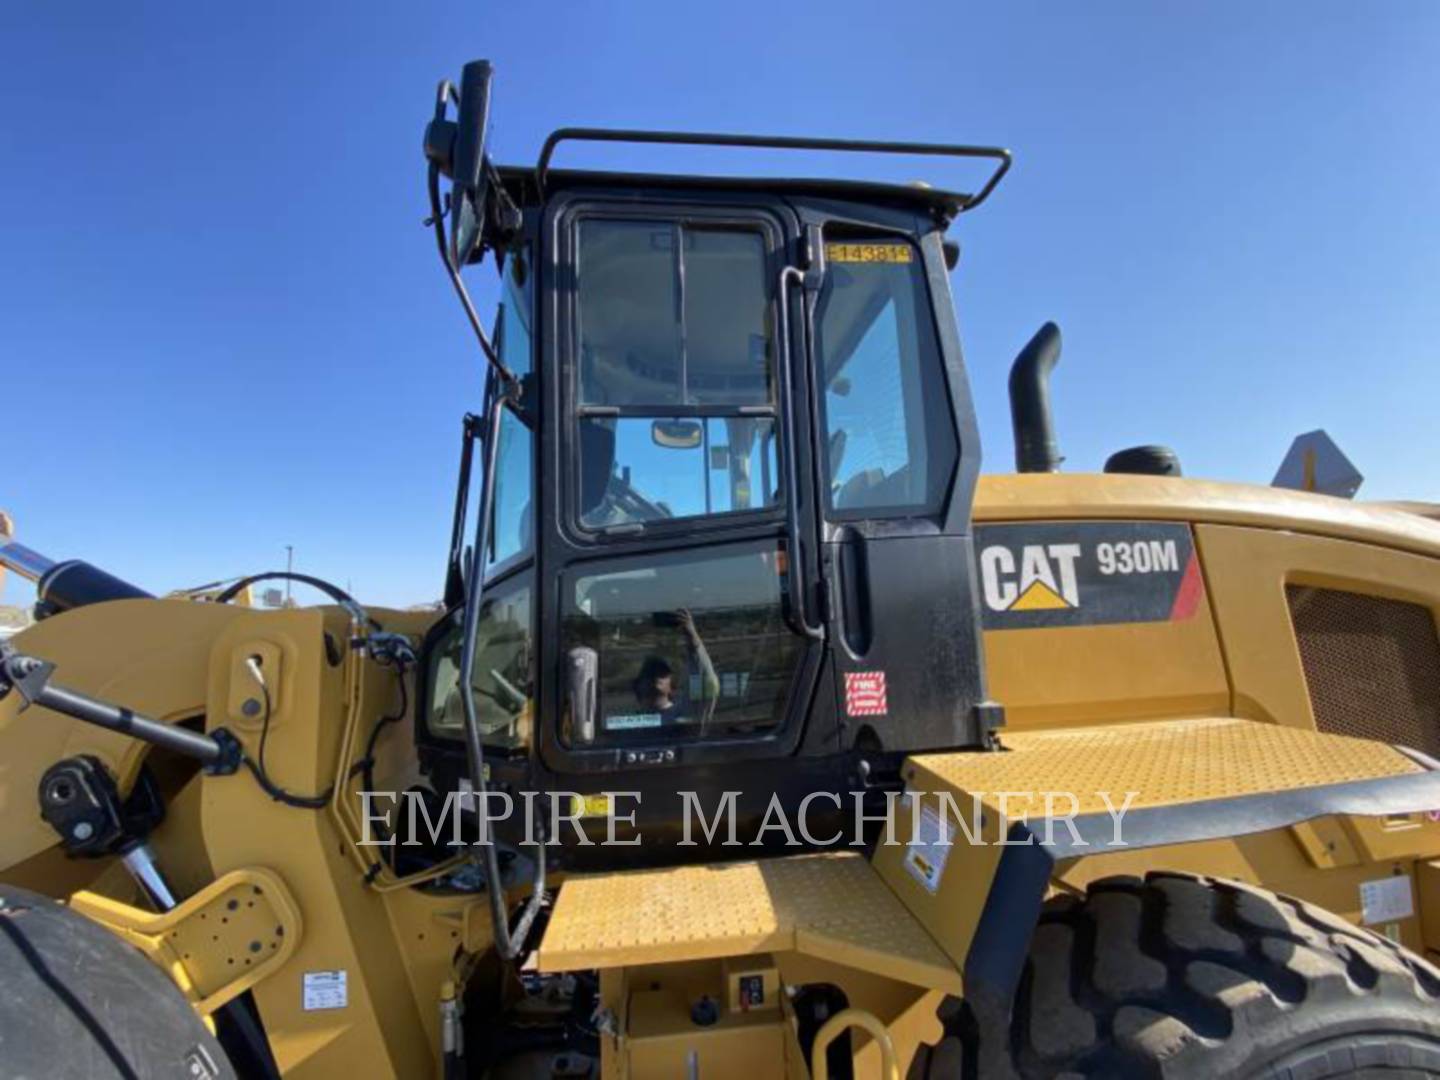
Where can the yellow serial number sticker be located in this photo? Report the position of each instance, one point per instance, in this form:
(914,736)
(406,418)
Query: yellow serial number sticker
(869,253)
(590,805)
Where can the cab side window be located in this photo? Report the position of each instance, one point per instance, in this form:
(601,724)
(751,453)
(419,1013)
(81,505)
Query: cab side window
(890,432)
(503,684)
(504,678)
(514,339)
(512,526)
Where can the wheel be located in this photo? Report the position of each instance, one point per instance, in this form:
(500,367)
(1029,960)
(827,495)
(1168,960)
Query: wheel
(75,1000)
(1183,976)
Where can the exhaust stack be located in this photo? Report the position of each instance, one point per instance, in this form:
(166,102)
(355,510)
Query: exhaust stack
(1035,447)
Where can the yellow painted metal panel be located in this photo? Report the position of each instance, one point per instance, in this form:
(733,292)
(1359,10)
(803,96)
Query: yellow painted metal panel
(1247,571)
(831,905)
(1078,496)
(149,655)
(1427,883)
(379,1030)
(1106,674)
(662,1040)
(1164,762)
(216,944)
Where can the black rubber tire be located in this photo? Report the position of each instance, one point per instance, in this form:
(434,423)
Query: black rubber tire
(77,1001)
(1181,976)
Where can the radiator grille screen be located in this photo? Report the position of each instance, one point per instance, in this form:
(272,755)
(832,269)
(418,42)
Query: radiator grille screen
(1372,665)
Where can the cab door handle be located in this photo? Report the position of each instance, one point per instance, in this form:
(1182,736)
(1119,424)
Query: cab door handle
(796,576)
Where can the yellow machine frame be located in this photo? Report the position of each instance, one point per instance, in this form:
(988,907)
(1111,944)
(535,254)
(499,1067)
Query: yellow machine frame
(1207,720)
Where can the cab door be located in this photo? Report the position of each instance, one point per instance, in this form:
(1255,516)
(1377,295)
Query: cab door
(897,456)
(666,561)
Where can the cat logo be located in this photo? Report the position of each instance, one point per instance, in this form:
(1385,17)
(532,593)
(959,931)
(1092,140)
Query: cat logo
(1033,574)
(1042,579)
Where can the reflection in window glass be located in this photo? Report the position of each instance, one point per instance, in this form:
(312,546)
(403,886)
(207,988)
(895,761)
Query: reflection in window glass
(504,679)
(727,359)
(511,529)
(693,645)
(641,346)
(873,429)
(636,469)
(627,283)
(515,324)
(891,435)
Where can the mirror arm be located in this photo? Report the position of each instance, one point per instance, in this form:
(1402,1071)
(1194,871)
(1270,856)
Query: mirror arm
(508,942)
(437,221)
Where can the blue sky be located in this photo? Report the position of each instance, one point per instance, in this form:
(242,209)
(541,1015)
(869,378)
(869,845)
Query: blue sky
(222,329)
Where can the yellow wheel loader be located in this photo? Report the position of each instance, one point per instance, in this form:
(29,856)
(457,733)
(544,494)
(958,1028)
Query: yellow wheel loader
(759,736)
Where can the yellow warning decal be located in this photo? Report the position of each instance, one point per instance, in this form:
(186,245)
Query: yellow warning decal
(590,805)
(870,253)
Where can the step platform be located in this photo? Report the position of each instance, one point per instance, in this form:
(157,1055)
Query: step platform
(833,906)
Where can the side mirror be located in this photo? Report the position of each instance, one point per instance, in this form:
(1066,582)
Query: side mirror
(456,149)
(582,673)
(468,161)
(677,434)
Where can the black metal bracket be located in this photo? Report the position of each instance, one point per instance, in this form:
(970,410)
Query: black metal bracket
(232,753)
(24,674)
(80,800)
(781,142)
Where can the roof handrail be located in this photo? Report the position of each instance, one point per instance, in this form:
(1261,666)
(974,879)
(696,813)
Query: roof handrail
(779,142)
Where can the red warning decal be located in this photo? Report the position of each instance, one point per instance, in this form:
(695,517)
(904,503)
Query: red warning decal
(865,693)
(1190,592)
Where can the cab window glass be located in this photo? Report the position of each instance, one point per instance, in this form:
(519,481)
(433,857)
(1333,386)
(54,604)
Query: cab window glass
(676,372)
(628,289)
(504,676)
(666,468)
(515,339)
(726,327)
(890,434)
(685,646)
(512,525)
(671,314)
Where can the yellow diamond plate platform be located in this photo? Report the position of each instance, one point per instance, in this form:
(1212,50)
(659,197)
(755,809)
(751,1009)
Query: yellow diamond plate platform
(833,906)
(1165,762)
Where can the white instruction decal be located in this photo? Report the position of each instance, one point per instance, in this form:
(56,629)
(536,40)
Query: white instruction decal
(631,721)
(928,849)
(1386,899)
(325,990)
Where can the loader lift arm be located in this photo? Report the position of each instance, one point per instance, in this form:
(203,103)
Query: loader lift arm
(219,753)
